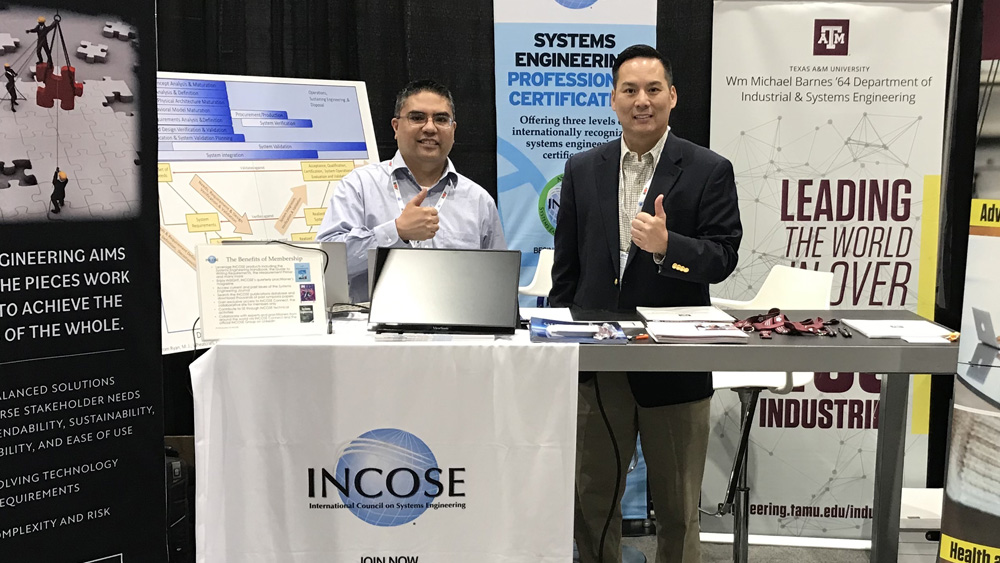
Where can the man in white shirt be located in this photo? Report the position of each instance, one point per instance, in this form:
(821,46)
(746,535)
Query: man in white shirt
(417,198)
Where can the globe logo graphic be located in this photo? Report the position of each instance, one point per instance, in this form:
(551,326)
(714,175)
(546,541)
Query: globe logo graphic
(403,460)
(211,260)
(576,4)
(548,203)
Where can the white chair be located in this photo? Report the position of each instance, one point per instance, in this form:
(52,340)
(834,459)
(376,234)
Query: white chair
(788,289)
(542,282)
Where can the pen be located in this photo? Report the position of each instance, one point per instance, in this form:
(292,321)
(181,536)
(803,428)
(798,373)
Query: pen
(640,337)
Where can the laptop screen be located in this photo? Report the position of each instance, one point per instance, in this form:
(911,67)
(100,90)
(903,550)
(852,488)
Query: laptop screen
(436,290)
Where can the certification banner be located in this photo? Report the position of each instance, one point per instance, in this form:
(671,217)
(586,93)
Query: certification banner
(832,115)
(81,428)
(553,84)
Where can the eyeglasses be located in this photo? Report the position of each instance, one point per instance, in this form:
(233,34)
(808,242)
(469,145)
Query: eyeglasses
(418,119)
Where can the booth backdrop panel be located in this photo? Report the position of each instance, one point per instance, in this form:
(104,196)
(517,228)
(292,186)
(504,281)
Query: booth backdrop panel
(81,428)
(835,136)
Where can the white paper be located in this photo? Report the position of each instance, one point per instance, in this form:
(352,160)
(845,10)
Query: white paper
(550,313)
(926,340)
(695,332)
(699,314)
(260,290)
(572,330)
(889,328)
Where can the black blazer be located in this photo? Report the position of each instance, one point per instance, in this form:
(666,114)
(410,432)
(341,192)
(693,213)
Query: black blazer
(703,221)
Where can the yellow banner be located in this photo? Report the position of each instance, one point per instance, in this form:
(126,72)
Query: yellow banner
(959,551)
(985,213)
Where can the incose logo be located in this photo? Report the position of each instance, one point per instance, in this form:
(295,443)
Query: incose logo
(830,37)
(387,477)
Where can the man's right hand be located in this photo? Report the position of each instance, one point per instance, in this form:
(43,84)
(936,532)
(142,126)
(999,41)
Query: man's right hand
(417,223)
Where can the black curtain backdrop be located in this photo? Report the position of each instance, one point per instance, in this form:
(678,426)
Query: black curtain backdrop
(388,43)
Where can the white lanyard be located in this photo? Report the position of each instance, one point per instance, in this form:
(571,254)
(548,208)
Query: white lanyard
(437,206)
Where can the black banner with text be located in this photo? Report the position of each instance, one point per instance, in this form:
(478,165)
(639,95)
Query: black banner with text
(81,429)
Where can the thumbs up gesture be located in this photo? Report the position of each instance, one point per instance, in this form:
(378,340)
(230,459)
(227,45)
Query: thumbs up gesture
(415,222)
(649,232)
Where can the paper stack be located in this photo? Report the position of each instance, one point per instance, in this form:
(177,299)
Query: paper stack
(685,314)
(888,328)
(697,332)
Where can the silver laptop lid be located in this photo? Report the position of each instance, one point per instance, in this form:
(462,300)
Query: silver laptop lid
(438,290)
(984,327)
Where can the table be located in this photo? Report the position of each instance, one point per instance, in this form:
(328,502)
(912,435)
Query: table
(782,353)
(788,353)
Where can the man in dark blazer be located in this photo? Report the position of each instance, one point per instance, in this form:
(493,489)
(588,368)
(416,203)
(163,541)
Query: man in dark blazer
(611,256)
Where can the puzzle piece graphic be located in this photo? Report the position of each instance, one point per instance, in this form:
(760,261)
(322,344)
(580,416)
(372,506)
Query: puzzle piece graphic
(92,52)
(121,30)
(13,147)
(119,165)
(128,187)
(18,171)
(93,102)
(87,164)
(63,87)
(103,193)
(123,210)
(21,201)
(117,142)
(8,44)
(111,89)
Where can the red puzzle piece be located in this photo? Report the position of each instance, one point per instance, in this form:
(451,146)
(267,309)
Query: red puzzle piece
(63,87)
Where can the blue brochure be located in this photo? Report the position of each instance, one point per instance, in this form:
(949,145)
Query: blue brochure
(596,332)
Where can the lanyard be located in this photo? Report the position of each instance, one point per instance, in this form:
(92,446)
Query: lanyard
(437,206)
(623,256)
(645,188)
(440,201)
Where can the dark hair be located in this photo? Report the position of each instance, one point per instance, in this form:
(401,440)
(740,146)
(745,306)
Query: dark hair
(418,86)
(642,52)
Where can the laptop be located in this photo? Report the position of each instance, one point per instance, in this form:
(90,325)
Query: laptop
(335,268)
(984,328)
(984,355)
(445,291)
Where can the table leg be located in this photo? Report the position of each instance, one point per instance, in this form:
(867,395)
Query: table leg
(889,467)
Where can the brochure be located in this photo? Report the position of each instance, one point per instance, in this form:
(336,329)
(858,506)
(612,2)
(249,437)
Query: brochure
(696,333)
(702,313)
(583,332)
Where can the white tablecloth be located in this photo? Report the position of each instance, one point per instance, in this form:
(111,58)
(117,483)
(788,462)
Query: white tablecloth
(465,450)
